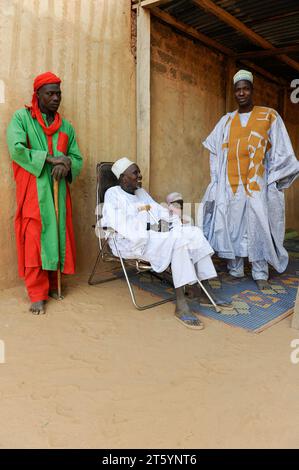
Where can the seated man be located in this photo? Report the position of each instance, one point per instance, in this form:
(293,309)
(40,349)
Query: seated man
(135,216)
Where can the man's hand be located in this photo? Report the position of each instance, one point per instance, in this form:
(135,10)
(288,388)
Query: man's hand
(164,226)
(61,160)
(154,227)
(59,171)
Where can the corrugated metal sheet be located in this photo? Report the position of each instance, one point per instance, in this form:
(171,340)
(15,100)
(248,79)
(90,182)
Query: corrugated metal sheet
(277,21)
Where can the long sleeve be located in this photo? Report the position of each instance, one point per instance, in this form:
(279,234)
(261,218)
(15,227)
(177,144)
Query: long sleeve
(74,153)
(31,160)
(214,143)
(211,144)
(283,166)
(160,212)
(130,224)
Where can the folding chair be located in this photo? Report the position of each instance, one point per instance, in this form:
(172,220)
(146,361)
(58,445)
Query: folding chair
(105,180)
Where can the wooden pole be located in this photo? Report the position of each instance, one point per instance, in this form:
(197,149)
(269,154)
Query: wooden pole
(56,205)
(143,93)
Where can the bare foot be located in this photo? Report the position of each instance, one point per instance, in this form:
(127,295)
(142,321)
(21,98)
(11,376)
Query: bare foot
(37,308)
(263,284)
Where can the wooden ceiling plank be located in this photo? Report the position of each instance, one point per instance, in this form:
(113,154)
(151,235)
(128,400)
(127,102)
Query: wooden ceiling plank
(268,52)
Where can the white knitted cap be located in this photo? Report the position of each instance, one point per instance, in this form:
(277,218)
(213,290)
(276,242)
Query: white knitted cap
(243,75)
(120,166)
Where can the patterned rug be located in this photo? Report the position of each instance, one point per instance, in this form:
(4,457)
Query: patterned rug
(253,310)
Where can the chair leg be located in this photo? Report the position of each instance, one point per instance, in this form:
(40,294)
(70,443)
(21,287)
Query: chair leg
(132,293)
(131,290)
(101,281)
(94,270)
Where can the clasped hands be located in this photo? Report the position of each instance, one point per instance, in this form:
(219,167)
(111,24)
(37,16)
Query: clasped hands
(162,226)
(61,166)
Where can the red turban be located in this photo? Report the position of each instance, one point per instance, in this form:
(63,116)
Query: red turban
(41,80)
(45,79)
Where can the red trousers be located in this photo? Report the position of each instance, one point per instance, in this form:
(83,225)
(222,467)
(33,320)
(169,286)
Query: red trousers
(28,235)
(39,282)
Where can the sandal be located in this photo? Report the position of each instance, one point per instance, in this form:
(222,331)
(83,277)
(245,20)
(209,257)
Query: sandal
(189,320)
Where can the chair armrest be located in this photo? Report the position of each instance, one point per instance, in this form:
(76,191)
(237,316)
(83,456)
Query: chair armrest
(110,230)
(104,232)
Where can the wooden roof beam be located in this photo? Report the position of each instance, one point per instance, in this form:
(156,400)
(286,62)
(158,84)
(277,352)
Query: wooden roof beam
(148,3)
(188,30)
(268,52)
(169,19)
(229,19)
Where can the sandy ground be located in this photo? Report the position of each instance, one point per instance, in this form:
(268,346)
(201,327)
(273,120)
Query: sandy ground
(95,373)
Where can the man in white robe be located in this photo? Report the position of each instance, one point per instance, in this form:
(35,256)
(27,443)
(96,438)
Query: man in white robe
(251,162)
(135,216)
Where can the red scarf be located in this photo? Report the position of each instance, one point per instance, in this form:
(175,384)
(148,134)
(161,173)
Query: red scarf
(41,80)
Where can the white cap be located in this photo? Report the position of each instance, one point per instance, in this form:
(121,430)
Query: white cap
(120,166)
(243,75)
(172,197)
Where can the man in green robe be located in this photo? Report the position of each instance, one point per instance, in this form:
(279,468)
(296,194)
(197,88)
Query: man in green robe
(43,147)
